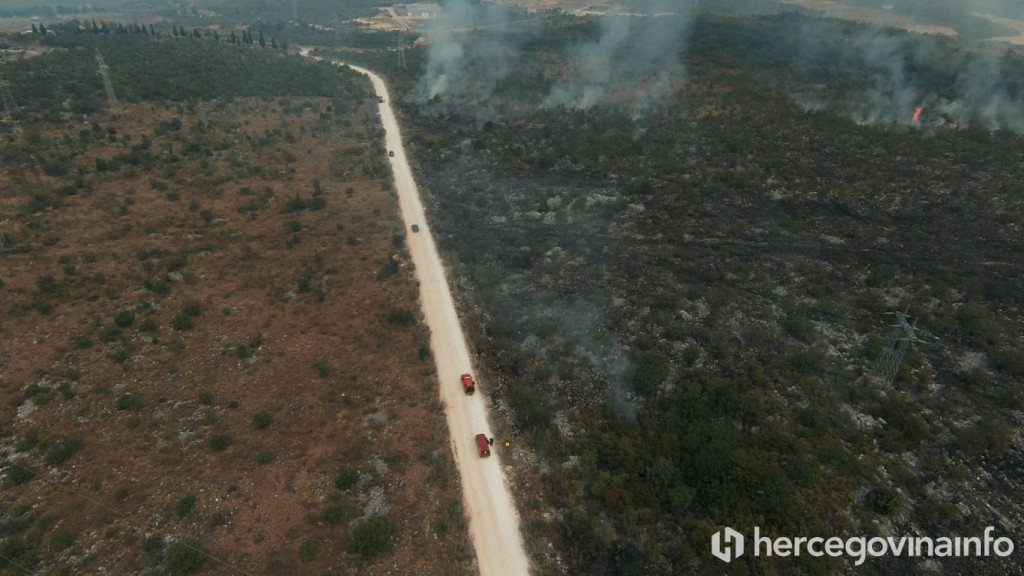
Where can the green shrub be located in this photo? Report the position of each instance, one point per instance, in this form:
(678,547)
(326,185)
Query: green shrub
(333,515)
(220,442)
(181,322)
(346,477)
(265,457)
(651,371)
(109,333)
(294,204)
(61,450)
(308,550)
(886,501)
(371,537)
(1010,361)
(191,307)
(124,318)
(185,506)
(61,540)
(206,398)
(261,420)
(322,369)
(185,557)
(18,474)
(401,317)
(128,401)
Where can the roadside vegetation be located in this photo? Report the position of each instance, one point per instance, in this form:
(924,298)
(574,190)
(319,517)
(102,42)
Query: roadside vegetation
(199,374)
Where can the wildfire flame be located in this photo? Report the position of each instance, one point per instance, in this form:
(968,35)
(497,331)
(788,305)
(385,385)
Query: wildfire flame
(917,115)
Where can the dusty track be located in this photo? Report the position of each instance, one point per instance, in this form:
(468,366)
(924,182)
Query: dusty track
(493,521)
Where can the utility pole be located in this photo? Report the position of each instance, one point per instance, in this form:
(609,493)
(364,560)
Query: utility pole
(202,116)
(903,333)
(10,107)
(401,49)
(295,12)
(337,30)
(104,72)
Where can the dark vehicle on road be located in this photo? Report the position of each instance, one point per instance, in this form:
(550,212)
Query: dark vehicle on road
(415,227)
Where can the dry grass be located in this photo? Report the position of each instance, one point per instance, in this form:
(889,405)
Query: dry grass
(340,383)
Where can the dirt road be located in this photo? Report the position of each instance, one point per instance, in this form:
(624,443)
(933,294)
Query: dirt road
(493,520)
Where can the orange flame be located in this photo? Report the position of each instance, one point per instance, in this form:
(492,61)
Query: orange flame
(917,115)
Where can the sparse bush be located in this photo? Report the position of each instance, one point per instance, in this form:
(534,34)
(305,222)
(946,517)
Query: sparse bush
(261,420)
(181,322)
(265,457)
(191,307)
(333,515)
(19,473)
(886,501)
(371,537)
(124,318)
(185,506)
(346,477)
(185,557)
(61,540)
(61,450)
(322,369)
(129,401)
(220,442)
(308,550)
(401,317)
(206,398)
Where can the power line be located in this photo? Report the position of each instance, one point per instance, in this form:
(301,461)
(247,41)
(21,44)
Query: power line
(104,72)
(401,49)
(10,106)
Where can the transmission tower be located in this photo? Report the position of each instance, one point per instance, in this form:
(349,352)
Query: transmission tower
(104,71)
(903,333)
(401,49)
(10,107)
(202,116)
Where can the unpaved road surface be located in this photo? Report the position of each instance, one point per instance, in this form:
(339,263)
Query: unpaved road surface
(493,520)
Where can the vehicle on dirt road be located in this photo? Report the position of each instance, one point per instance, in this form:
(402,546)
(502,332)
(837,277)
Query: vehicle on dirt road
(468,384)
(482,445)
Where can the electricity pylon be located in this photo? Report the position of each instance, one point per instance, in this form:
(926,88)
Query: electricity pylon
(401,49)
(104,72)
(903,333)
(10,107)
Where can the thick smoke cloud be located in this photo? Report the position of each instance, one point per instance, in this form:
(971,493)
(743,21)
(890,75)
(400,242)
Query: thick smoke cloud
(954,82)
(638,48)
(467,53)
(905,68)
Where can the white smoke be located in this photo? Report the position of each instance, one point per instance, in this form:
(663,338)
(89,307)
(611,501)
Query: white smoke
(467,54)
(953,85)
(638,48)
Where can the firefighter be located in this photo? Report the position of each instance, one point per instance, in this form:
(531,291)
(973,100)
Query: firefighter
(490,441)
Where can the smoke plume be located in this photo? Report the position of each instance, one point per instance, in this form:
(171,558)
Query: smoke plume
(638,50)
(467,53)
